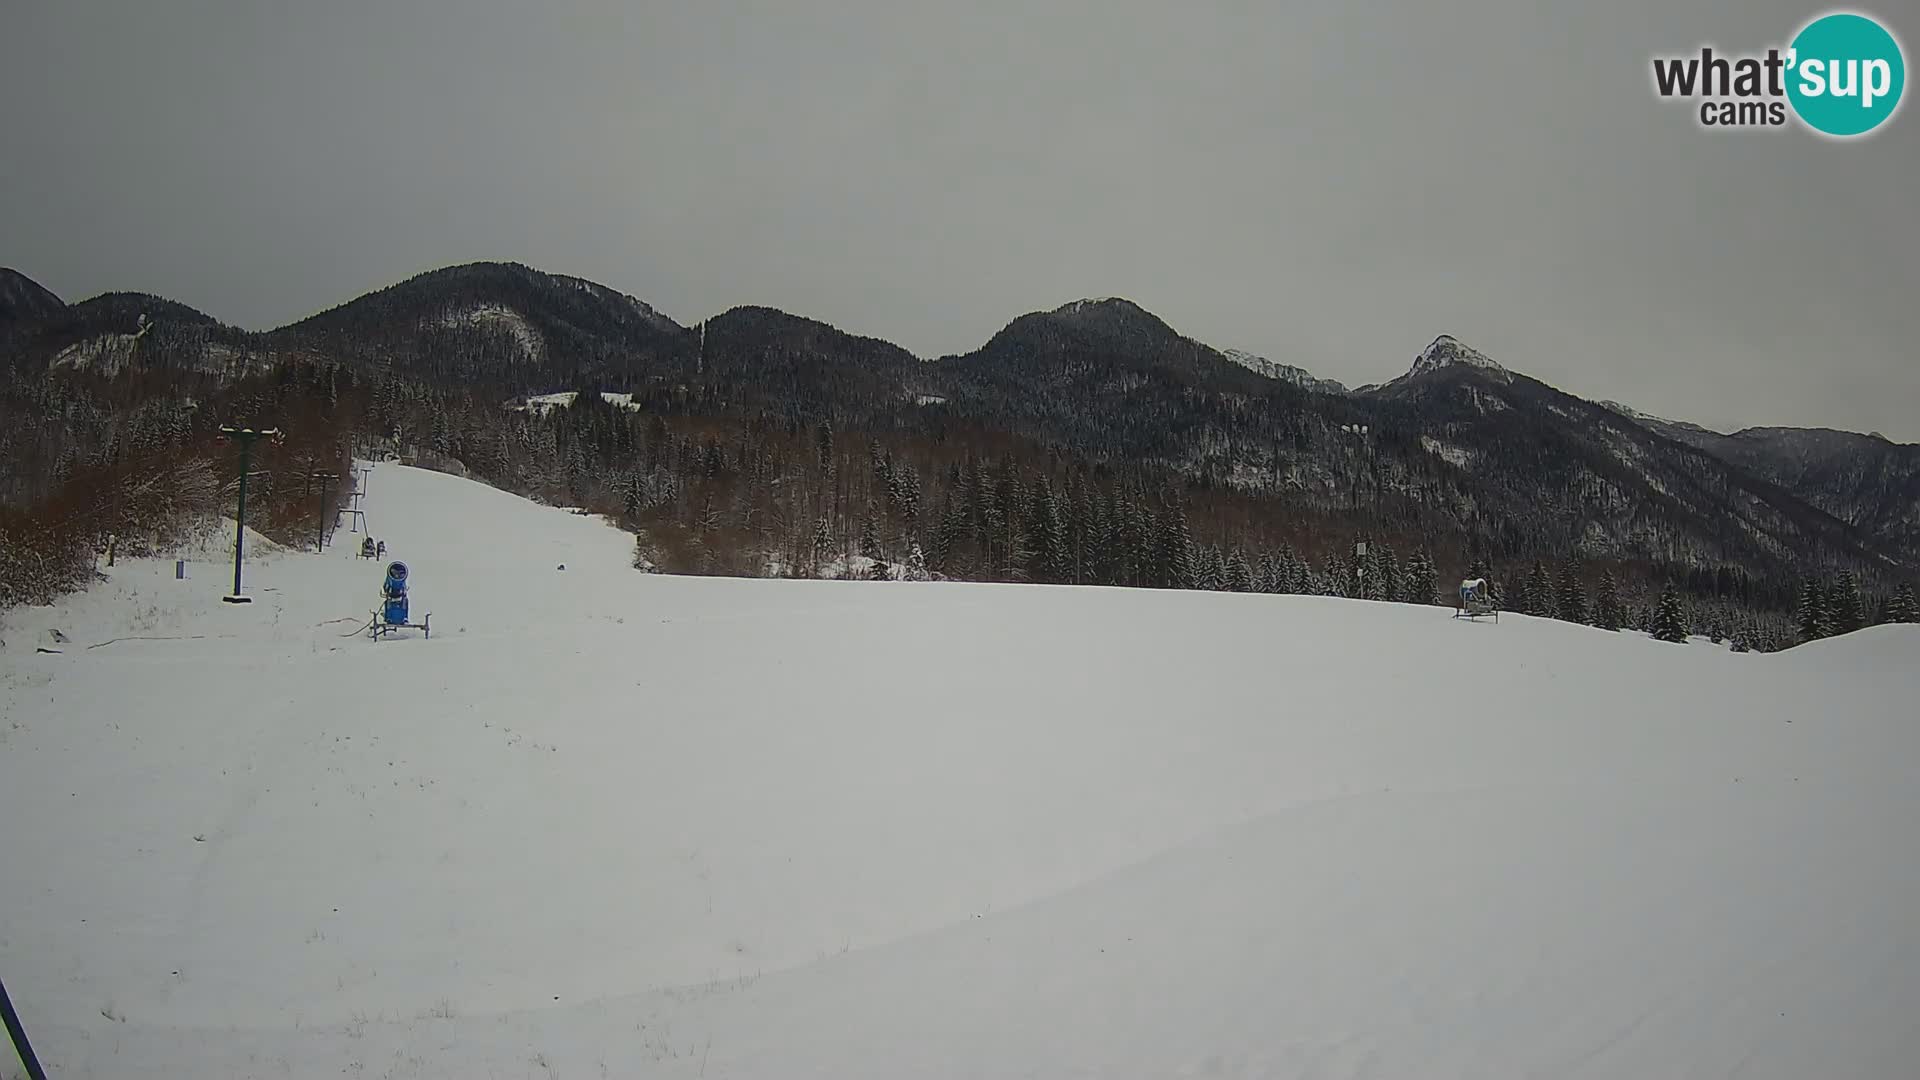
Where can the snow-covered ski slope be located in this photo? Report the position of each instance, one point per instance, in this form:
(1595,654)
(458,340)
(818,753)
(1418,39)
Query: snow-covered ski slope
(613,824)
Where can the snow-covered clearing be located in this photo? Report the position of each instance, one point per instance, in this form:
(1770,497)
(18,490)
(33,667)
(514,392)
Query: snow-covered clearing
(1457,456)
(541,403)
(505,319)
(607,823)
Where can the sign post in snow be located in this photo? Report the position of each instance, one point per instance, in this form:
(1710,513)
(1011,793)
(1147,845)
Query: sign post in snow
(246,438)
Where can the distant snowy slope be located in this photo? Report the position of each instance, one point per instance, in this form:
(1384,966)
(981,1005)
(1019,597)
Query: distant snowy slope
(541,403)
(1298,376)
(611,823)
(1445,351)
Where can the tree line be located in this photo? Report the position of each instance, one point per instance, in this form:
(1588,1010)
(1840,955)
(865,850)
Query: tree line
(772,493)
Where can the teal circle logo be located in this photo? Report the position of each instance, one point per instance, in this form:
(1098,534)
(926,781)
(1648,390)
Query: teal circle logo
(1845,75)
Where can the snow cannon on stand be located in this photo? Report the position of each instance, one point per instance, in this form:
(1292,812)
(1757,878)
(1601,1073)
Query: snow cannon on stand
(394,592)
(1476,601)
(391,615)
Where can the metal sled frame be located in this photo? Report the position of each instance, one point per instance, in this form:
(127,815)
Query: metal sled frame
(1477,611)
(380,628)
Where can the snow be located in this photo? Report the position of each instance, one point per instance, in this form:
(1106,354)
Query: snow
(1457,456)
(1446,351)
(1632,413)
(105,354)
(1635,456)
(1289,373)
(108,355)
(929,399)
(1075,307)
(1484,402)
(540,403)
(608,823)
(498,316)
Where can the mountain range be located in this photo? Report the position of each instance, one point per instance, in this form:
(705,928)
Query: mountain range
(1457,450)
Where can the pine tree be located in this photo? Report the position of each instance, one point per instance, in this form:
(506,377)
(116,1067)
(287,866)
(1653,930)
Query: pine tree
(1239,573)
(1573,594)
(1843,604)
(1606,605)
(1669,622)
(1812,613)
(1536,592)
(1046,539)
(1058,565)
(1081,528)
(1142,566)
(1212,570)
(1267,578)
(1180,552)
(822,543)
(1903,608)
(630,503)
(882,466)
(1175,566)
(916,562)
(1008,541)
(1336,577)
(1295,575)
(823,448)
(1478,568)
(908,496)
(1420,583)
(1383,578)
(1104,555)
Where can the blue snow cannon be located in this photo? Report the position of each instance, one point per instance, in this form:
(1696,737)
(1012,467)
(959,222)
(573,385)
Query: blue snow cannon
(394,592)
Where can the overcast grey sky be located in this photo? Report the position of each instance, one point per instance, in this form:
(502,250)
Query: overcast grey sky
(1328,184)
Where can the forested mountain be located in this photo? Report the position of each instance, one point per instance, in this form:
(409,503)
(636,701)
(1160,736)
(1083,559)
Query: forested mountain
(1088,443)
(806,371)
(499,324)
(1106,378)
(24,300)
(1865,480)
(103,334)
(1555,471)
